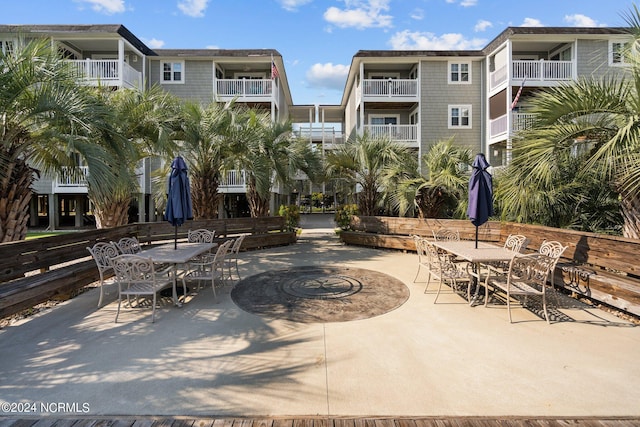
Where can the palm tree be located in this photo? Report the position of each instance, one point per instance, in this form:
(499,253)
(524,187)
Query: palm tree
(47,124)
(148,120)
(444,186)
(204,142)
(369,162)
(269,153)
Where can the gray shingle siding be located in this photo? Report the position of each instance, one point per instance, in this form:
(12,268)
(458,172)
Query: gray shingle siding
(438,94)
(198,80)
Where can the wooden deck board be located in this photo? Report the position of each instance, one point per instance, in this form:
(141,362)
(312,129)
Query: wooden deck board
(320,422)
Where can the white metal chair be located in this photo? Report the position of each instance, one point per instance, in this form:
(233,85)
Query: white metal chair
(129,245)
(527,276)
(422,256)
(103,254)
(231,258)
(209,268)
(201,235)
(446,234)
(136,276)
(514,242)
(441,266)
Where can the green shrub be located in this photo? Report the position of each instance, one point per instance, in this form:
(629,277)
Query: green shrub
(344,214)
(291,214)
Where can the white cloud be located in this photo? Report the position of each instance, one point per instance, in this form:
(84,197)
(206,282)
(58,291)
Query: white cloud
(407,40)
(531,22)
(293,5)
(360,14)
(482,25)
(464,3)
(193,8)
(328,76)
(579,20)
(153,43)
(417,14)
(106,6)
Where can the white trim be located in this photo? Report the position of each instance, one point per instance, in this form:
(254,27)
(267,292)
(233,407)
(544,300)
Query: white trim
(461,107)
(459,72)
(172,62)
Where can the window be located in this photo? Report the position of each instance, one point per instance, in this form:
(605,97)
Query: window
(172,72)
(459,72)
(459,116)
(6,47)
(617,52)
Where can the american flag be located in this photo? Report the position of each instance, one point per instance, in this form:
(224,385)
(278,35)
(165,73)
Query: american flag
(274,71)
(515,100)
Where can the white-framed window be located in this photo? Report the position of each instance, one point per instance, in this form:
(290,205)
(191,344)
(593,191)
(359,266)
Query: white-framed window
(6,47)
(617,52)
(172,71)
(459,72)
(459,116)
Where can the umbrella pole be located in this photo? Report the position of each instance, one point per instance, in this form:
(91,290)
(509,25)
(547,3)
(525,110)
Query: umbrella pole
(476,237)
(175,237)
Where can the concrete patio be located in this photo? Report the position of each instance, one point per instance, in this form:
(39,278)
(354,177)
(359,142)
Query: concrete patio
(421,359)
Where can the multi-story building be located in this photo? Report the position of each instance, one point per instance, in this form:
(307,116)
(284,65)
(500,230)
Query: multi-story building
(416,98)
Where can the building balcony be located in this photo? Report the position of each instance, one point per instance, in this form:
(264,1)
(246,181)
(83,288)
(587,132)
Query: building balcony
(106,72)
(405,134)
(499,127)
(245,90)
(328,137)
(71,183)
(390,90)
(542,73)
(235,182)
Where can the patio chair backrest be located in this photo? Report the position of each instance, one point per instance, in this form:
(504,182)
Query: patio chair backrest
(129,245)
(446,234)
(201,235)
(552,249)
(134,269)
(516,243)
(103,254)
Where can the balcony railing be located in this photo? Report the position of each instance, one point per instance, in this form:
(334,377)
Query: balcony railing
(235,182)
(327,136)
(244,88)
(390,89)
(519,121)
(105,72)
(68,181)
(542,70)
(533,71)
(398,133)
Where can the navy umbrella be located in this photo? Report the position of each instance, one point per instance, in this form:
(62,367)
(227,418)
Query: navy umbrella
(480,193)
(178,197)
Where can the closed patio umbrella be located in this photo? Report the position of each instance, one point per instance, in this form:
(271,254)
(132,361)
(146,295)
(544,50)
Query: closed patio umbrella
(178,197)
(480,193)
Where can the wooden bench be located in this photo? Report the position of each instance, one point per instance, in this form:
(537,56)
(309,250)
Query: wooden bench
(601,267)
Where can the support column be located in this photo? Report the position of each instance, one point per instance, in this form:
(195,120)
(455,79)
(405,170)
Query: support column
(54,221)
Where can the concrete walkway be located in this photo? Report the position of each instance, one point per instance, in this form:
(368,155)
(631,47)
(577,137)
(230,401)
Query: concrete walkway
(422,359)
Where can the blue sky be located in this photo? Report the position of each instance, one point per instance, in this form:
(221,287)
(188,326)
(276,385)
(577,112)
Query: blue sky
(318,38)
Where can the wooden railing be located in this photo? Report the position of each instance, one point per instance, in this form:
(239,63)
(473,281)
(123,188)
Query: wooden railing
(34,271)
(599,266)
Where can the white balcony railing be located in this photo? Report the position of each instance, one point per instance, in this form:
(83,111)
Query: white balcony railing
(498,77)
(68,181)
(235,182)
(390,88)
(244,88)
(519,121)
(542,70)
(317,135)
(398,133)
(105,72)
